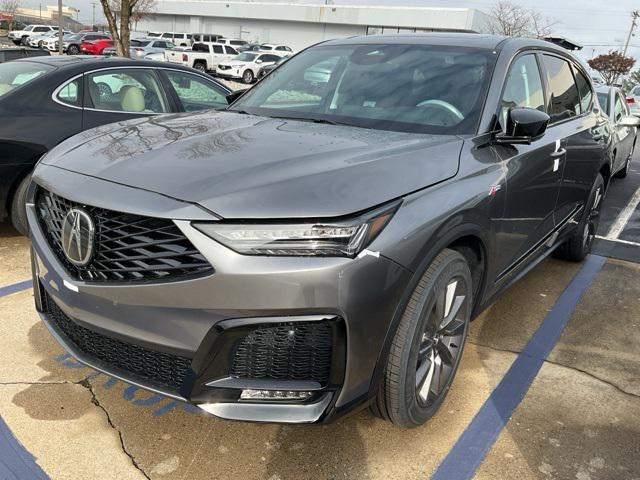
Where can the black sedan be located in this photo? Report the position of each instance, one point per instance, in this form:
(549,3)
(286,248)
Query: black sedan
(45,100)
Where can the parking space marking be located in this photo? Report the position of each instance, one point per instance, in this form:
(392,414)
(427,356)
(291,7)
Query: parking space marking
(15,287)
(467,454)
(16,463)
(619,240)
(623,218)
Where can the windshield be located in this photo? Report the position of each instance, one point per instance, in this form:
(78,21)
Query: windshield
(15,74)
(246,57)
(409,88)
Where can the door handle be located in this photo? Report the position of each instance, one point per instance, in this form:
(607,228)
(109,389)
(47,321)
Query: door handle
(559,153)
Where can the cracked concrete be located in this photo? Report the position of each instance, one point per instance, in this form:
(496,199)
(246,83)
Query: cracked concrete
(87,384)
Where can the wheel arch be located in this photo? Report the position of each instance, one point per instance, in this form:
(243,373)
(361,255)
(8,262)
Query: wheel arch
(466,238)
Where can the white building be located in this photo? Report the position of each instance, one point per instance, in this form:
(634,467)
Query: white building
(298,24)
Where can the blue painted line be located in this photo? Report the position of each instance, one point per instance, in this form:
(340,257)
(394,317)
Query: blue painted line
(465,457)
(16,463)
(15,288)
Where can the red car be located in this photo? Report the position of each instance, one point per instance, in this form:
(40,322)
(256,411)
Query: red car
(96,47)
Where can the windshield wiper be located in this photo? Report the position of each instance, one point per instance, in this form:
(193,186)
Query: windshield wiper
(310,119)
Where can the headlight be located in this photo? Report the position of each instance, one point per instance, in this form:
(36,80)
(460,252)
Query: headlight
(335,239)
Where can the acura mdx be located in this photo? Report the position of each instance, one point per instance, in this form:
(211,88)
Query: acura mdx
(322,244)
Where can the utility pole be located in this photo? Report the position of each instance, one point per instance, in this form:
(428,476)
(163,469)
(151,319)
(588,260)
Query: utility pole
(634,17)
(60,28)
(93,22)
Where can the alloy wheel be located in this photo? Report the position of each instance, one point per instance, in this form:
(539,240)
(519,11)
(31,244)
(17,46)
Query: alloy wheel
(441,342)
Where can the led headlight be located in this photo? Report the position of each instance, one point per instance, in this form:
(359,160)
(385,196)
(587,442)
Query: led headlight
(344,238)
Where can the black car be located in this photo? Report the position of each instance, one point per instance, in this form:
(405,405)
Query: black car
(45,100)
(328,237)
(8,54)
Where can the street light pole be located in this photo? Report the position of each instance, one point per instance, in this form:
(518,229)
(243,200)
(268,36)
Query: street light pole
(60,28)
(635,14)
(93,21)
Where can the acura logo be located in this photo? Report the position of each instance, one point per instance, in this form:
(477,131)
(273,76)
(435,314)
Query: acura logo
(77,236)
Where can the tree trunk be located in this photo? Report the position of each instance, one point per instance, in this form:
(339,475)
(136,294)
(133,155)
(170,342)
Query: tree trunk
(125,28)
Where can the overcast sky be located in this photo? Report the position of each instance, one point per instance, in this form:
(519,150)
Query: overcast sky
(598,27)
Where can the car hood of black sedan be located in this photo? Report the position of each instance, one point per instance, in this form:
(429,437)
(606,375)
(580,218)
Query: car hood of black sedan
(244,166)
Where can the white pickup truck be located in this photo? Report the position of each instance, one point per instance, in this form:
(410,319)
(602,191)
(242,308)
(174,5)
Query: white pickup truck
(203,56)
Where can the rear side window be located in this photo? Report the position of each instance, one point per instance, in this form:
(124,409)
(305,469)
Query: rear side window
(603,100)
(523,87)
(217,49)
(70,93)
(16,74)
(565,100)
(586,93)
(231,51)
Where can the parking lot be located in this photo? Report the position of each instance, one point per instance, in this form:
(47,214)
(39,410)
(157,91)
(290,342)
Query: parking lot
(579,419)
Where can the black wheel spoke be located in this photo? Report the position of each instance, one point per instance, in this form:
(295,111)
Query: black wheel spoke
(445,354)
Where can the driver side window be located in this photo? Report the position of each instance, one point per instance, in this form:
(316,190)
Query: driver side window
(523,87)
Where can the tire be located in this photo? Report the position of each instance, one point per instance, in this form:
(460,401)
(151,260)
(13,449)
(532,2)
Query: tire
(200,66)
(18,207)
(424,346)
(579,244)
(247,76)
(73,50)
(23,41)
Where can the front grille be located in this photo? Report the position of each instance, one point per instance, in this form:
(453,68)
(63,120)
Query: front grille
(127,247)
(285,352)
(159,368)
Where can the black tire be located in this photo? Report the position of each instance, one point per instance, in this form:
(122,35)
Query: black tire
(18,207)
(579,244)
(247,76)
(23,41)
(200,66)
(419,345)
(73,50)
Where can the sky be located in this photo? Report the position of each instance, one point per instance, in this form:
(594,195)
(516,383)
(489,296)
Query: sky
(600,25)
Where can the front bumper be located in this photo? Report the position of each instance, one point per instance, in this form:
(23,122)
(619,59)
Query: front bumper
(202,319)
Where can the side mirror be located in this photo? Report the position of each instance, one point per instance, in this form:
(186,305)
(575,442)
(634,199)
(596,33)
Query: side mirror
(629,121)
(233,96)
(523,126)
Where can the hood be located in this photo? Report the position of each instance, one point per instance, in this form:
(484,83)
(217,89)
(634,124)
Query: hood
(244,166)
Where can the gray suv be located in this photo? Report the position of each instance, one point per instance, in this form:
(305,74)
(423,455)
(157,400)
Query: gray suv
(322,245)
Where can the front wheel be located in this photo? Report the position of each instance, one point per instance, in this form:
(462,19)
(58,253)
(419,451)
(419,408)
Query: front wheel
(19,206)
(247,77)
(200,66)
(579,244)
(73,50)
(428,344)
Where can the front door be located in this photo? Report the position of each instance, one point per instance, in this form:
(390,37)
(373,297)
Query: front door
(532,173)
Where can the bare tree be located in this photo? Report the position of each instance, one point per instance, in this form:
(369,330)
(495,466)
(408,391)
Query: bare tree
(514,20)
(10,7)
(128,11)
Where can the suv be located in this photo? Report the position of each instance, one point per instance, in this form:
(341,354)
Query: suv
(207,37)
(246,66)
(179,39)
(325,244)
(19,37)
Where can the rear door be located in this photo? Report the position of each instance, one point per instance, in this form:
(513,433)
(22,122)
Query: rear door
(532,172)
(114,95)
(623,136)
(571,103)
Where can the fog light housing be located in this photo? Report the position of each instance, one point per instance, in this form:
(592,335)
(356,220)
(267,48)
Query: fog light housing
(251,394)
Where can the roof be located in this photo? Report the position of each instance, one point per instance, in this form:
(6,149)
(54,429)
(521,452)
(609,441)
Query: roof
(82,61)
(453,39)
